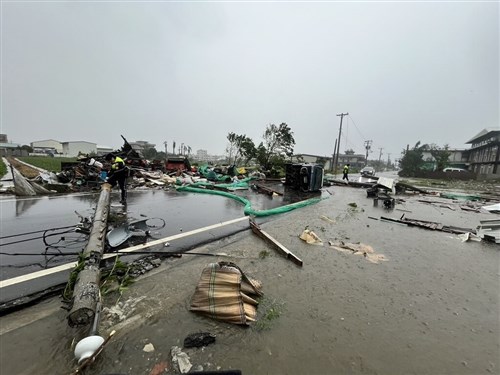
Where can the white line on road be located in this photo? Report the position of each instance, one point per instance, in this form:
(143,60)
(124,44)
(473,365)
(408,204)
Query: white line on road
(34,275)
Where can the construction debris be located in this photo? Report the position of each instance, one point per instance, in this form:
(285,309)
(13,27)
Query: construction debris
(275,244)
(358,249)
(310,237)
(427,225)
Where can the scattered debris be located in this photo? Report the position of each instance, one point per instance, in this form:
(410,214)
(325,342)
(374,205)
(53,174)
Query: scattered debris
(310,237)
(469,237)
(489,230)
(428,225)
(275,244)
(326,218)
(199,339)
(494,208)
(148,348)
(358,249)
(180,359)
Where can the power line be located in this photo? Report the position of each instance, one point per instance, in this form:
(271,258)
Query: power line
(362,136)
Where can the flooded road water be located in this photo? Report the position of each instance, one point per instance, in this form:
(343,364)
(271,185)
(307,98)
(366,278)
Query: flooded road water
(431,308)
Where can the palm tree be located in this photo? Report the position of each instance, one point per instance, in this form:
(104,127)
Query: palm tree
(189,150)
(166,147)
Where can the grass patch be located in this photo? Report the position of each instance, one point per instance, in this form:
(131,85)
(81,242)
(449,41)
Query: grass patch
(264,254)
(46,162)
(3,168)
(268,310)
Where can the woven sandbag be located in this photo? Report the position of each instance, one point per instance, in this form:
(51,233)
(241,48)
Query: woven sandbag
(219,294)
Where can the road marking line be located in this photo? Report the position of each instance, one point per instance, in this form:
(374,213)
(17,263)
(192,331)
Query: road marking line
(34,275)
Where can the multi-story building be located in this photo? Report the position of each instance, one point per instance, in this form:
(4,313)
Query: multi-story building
(484,155)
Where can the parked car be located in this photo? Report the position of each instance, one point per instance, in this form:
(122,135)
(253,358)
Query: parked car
(367,172)
(454,170)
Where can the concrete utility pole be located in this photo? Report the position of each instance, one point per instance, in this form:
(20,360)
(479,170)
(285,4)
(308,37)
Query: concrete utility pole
(388,159)
(86,291)
(380,156)
(333,155)
(338,143)
(368,146)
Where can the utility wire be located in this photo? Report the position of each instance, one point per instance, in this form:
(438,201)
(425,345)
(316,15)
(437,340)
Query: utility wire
(36,231)
(356,127)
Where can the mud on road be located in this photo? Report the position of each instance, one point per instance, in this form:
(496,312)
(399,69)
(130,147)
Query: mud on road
(431,308)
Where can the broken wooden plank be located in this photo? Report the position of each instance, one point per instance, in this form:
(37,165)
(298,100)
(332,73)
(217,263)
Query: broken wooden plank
(275,244)
(267,190)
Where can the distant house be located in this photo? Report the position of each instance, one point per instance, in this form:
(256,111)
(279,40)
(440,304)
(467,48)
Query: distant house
(458,159)
(484,154)
(355,160)
(72,149)
(11,149)
(48,144)
(141,145)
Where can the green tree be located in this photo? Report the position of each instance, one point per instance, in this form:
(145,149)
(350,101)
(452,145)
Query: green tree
(240,148)
(412,160)
(149,153)
(27,148)
(278,143)
(160,155)
(441,154)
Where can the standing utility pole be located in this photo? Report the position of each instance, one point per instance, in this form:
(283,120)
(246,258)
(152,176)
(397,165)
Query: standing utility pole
(333,155)
(338,143)
(368,146)
(380,156)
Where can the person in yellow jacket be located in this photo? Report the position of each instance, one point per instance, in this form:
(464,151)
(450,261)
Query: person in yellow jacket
(118,174)
(346,173)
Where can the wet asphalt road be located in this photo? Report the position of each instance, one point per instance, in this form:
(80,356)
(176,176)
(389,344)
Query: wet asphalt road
(182,212)
(432,308)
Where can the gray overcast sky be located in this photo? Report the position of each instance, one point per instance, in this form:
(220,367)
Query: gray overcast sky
(193,72)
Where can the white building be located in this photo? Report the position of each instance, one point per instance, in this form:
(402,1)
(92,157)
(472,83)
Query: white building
(141,145)
(72,149)
(48,144)
(103,150)
(202,155)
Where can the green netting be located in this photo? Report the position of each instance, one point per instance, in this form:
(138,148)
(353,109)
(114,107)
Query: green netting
(240,184)
(248,210)
(460,196)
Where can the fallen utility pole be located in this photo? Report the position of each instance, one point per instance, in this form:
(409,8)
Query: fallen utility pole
(275,244)
(86,291)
